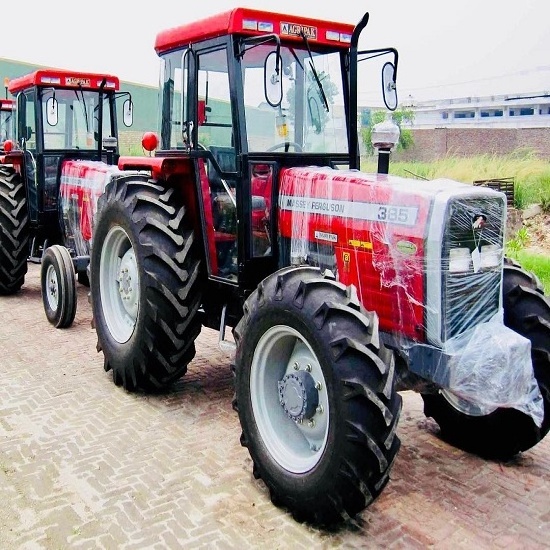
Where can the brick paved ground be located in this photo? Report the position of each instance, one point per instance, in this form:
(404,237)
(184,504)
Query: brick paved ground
(83,464)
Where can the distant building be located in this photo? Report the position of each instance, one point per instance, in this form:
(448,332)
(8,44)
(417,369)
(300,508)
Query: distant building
(530,110)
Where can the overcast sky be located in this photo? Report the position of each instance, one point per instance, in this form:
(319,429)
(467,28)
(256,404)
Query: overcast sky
(446,49)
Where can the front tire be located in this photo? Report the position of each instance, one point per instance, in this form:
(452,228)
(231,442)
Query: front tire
(145,284)
(506,431)
(316,396)
(14,231)
(58,285)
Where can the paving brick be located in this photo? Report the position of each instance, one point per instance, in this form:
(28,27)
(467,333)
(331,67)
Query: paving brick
(84,464)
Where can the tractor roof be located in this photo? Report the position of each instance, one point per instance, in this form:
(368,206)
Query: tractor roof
(249,22)
(59,78)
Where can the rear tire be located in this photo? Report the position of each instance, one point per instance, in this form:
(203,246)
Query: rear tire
(14,231)
(315,396)
(506,431)
(145,285)
(58,286)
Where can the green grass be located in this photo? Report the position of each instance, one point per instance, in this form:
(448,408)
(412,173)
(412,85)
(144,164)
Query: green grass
(133,150)
(531,174)
(535,263)
(532,186)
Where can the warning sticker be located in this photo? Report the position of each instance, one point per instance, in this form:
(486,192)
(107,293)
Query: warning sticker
(296,29)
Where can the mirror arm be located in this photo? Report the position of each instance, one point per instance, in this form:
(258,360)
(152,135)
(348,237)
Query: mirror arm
(371,54)
(120,94)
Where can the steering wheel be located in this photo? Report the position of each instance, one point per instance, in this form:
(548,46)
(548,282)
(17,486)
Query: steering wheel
(284,144)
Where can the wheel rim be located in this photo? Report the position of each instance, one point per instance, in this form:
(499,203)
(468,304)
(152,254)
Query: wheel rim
(119,284)
(52,288)
(282,357)
(464,406)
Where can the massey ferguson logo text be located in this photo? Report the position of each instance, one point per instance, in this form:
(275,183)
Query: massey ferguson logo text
(295,29)
(74,81)
(383,213)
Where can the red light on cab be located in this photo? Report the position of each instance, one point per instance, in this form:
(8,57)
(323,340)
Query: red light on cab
(149,141)
(8,146)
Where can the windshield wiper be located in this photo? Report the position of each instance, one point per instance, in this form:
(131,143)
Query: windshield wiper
(314,71)
(83,102)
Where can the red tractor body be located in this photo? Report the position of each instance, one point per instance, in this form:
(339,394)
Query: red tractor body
(81,184)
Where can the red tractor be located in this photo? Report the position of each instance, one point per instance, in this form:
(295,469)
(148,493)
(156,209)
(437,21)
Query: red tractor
(60,157)
(342,288)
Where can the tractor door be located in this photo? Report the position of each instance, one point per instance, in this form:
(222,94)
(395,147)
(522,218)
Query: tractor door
(27,132)
(217,165)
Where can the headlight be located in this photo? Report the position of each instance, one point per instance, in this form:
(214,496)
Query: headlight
(490,256)
(460,260)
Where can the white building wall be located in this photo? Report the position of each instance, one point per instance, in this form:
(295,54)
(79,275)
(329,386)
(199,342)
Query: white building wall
(528,111)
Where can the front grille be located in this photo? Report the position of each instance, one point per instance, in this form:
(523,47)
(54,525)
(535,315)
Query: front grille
(472,297)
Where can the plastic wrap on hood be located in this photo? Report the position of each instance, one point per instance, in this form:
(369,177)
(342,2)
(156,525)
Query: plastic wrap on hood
(425,255)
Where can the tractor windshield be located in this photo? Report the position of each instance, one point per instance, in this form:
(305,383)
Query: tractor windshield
(311,116)
(78,119)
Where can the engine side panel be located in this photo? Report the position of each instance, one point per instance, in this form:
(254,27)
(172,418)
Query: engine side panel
(393,238)
(82,182)
(373,229)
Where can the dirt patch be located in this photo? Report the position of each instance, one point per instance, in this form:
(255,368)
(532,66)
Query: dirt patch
(538,233)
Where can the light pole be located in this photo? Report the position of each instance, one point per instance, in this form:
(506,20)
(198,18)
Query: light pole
(384,137)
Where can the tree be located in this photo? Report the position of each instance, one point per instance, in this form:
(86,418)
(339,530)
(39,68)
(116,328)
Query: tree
(316,112)
(399,116)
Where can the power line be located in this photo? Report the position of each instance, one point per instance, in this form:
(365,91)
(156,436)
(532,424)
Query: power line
(485,79)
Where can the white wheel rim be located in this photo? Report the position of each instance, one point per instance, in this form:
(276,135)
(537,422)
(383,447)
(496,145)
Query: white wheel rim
(119,284)
(295,446)
(52,288)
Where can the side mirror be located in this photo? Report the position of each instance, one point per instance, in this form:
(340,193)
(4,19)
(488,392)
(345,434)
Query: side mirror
(389,87)
(51,111)
(128,113)
(273,83)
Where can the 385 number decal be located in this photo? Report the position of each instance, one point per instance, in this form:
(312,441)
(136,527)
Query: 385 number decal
(399,214)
